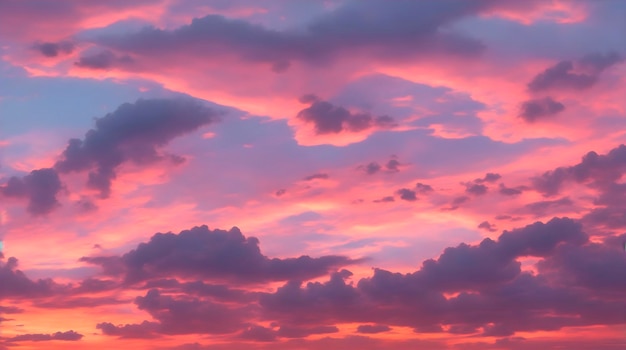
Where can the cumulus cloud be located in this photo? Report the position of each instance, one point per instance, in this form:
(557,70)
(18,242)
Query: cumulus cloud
(102,60)
(133,132)
(476,189)
(330,119)
(511,191)
(540,108)
(407,194)
(15,284)
(423,188)
(53,49)
(371,168)
(485,225)
(212,254)
(489,282)
(580,76)
(40,187)
(600,170)
(489,177)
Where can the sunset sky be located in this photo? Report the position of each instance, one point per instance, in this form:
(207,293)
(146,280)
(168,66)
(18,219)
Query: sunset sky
(310,174)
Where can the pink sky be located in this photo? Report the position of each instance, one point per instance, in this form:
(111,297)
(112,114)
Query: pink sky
(209,174)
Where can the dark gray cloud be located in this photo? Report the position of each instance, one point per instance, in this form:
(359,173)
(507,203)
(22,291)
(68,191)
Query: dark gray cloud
(580,76)
(41,187)
(598,170)
(133,132)
(393,165)
(67,336)
(487,284)
(397,30)
(191,315)
(15,284)
(423,188)
(330,119)
(485,225)
(540,108)
(371,168)
(489,177)
(407,194)
(510,191)
(490,283)
(476,189)
(216,254)
(144,330)
(103,60)
(52,49)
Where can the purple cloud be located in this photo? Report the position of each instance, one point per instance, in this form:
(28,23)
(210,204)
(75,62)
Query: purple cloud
(53,49)
(40,187)
(67,336)
(133,132)
(564,76)
(407,194)
(330,119)
(541,108)
(217,254)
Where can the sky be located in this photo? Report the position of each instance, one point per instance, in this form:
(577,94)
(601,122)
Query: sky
(309,174)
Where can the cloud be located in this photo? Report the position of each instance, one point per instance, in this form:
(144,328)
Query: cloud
(386,199)
(376,28)
(191,315)
(103,60)
(541,108)
(509,191)
(423,188)
(321,176)
(601,170)
(53,49)
(485,279)
(476,189)
(489,177)
(393,165)
(40,187)
(485,225)
(489,282)
(144,330)
(406,194)
(563,75)
(541,208)
(330,119)
(212,254)
(371,168)
(133,132)
(67,336)
(17,285)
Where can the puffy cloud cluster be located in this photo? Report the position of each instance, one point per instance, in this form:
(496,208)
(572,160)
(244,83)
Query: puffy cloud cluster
(330,119)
